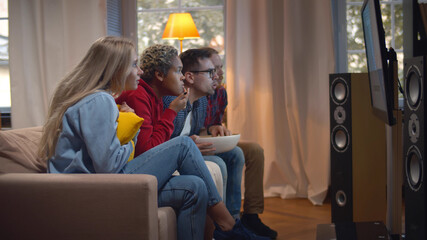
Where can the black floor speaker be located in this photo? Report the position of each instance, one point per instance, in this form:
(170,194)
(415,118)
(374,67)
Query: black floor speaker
(358,152)
(414,146)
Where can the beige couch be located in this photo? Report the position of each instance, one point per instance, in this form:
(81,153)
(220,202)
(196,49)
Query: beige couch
(36,205)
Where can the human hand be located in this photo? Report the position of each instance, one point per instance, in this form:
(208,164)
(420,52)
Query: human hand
(125,108)
(180,102)
(205,148)
(219,130)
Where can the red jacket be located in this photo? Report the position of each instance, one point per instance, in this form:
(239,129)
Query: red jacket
(157,127)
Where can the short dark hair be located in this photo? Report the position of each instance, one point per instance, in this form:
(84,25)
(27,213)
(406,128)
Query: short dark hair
(210,50)
(190,59)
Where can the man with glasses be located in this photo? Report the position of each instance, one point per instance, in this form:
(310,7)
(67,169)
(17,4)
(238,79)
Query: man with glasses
(200,75)
(254,156)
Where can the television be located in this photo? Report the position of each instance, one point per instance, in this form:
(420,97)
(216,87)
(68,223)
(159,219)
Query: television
(380,74)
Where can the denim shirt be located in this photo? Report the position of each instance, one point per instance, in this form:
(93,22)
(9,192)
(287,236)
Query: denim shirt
(88,141)
(199,115)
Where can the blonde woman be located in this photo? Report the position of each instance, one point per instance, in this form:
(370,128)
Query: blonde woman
(80,137)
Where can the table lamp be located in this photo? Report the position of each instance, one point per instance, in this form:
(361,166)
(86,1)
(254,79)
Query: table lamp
(180,26)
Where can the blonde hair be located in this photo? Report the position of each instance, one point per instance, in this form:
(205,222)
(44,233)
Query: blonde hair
(105,67)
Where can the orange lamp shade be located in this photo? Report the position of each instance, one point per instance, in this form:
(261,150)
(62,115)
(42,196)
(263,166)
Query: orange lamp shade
(180,26)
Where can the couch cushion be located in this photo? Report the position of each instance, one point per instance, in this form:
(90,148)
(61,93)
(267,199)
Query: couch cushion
(18,151)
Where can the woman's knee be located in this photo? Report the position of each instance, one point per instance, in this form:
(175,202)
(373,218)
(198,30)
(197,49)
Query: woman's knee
(198,187)
(185,140)
(187,143)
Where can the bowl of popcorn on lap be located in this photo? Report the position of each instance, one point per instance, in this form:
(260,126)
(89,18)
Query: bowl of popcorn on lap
(220,143)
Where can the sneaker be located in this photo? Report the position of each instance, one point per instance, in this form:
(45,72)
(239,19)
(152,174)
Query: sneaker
(239,232)
(254,224)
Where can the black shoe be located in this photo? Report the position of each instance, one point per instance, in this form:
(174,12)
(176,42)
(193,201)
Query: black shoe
(239,232)
(253,223)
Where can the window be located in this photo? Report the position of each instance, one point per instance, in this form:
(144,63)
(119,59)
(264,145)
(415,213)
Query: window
(392,17)
(4,58)
(5,102)
(208,16)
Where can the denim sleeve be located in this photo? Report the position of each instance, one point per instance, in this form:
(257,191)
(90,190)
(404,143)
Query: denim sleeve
(98,129)
(167,101)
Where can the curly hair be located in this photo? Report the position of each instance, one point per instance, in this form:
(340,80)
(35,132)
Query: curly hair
(156,58)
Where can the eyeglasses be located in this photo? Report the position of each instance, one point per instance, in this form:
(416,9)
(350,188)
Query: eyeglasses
(211,72)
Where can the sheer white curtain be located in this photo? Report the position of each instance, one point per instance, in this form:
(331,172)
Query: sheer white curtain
(47,38)
(279,56)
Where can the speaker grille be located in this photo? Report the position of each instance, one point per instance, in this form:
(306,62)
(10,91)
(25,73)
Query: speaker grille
(339,91)
(340,138)
(341,198)
(413,87)
(414,128)
(414,168)
(339,115)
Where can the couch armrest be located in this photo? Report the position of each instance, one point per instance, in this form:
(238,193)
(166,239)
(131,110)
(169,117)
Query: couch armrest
(167,224)
(78,206)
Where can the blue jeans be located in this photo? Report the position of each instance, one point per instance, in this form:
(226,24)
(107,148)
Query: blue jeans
(188,194)
(231,164)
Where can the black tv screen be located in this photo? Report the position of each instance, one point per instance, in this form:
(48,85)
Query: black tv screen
(376,53)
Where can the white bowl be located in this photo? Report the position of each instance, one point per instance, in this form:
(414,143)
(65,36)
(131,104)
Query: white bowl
(220,143)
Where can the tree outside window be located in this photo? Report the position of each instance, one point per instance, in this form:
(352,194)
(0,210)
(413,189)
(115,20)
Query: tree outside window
(392,17)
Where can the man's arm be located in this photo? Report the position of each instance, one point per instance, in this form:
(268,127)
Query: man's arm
(217,104)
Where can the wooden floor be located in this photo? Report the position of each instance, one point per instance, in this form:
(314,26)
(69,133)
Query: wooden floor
(295,219)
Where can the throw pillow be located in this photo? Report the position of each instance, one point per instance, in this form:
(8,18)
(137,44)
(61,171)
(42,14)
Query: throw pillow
(128,125)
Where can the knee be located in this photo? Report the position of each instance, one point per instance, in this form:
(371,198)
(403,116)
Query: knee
(184,140)
(239,156)
(252,148)
(254,154)
(198,187)
(186,143)
(256,149)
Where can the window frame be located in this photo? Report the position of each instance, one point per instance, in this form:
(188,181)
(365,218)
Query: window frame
(339,16)
(5,111)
